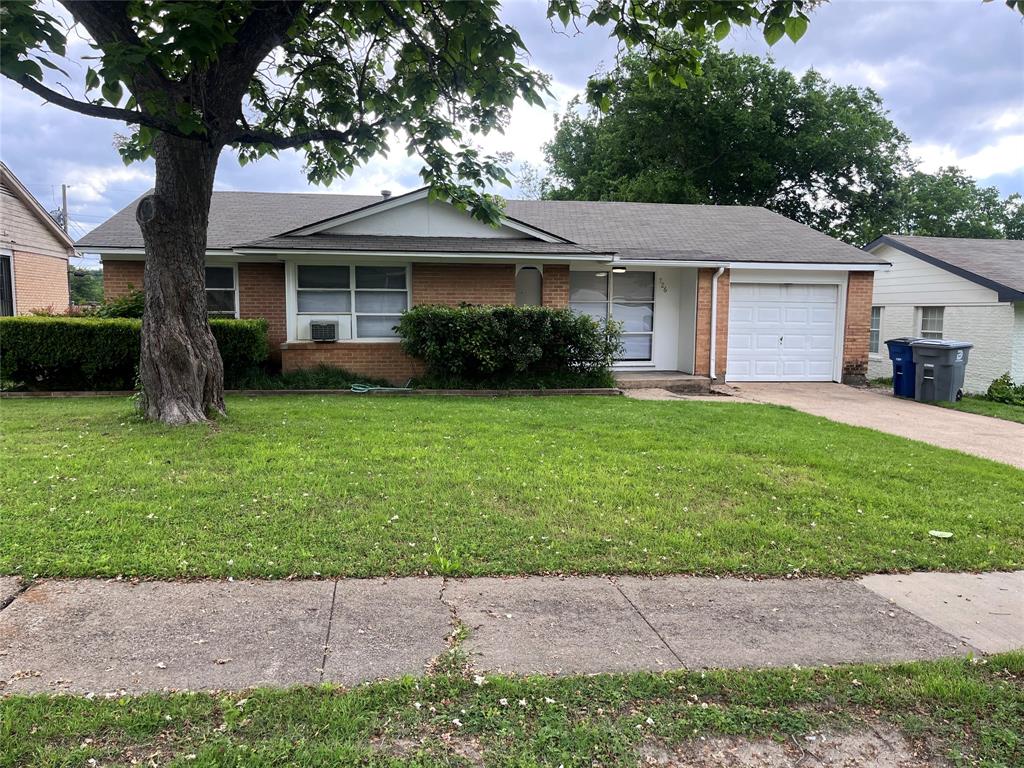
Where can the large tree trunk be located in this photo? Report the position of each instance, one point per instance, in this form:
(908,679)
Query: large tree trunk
(180,367)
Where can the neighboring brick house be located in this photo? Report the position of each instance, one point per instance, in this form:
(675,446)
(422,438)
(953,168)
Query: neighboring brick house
(768,299)
(34,252)
(956,288)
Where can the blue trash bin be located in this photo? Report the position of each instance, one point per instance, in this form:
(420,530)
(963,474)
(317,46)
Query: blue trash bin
(903,374)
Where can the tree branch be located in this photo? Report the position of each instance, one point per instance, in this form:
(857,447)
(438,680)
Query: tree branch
(276,140)
(96,110)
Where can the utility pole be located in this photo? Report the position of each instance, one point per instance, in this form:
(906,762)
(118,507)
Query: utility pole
(64,206)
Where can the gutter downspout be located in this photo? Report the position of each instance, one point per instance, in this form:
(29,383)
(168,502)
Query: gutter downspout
(714,321)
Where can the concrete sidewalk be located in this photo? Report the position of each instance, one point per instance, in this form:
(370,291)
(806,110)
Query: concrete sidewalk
(84,636)
(983,436)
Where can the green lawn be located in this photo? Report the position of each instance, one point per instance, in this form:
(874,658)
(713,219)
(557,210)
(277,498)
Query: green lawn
(986,407)
(368,486)
(970,713)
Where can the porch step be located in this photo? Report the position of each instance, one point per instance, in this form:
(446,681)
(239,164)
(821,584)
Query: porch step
(673,381)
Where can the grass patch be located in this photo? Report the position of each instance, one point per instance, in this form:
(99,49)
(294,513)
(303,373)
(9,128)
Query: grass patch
(970,713)
(985,407)
(311,484)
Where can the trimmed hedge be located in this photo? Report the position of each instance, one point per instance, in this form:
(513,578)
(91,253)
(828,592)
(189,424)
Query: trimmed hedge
(471,346)
(86,353)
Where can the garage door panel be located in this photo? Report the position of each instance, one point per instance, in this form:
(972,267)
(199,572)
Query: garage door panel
(781,332)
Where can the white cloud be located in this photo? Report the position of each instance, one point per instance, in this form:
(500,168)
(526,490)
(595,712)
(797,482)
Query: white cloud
(1004,156)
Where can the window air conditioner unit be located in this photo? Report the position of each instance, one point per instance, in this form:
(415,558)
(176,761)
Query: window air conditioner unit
(323,330)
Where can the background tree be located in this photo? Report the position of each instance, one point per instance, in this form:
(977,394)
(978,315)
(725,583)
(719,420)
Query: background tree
(85,285)
(332,79)
(951,204)
(744,132)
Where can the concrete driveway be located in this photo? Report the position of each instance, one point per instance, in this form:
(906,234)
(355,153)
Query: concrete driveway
(967,432)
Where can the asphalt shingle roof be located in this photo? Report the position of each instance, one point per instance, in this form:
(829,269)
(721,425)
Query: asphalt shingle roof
(994,261)
(639,231)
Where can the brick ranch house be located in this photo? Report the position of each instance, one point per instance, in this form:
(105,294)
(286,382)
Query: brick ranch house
(730,292)
(34,252)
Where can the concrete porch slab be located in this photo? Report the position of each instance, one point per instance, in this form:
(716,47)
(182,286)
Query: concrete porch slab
(548,625)
(385,628)
(82,636)
(673,381)
(985,610)
(736,623)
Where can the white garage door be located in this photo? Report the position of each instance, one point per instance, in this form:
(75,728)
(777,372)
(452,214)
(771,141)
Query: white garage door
(781,332)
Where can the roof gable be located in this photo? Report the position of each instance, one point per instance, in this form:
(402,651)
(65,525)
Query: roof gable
(994,264)
(415,214)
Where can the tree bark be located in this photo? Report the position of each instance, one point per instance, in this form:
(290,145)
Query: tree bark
(180,366)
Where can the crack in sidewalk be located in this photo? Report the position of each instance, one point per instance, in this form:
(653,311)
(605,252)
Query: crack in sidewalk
(23,586)
(653,628)
(330,623)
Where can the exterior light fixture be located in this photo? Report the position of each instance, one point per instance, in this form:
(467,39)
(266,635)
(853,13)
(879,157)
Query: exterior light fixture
(618,270)
(600,274)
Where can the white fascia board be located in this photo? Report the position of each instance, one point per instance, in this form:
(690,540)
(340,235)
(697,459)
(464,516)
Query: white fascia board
(666,263)
(134,254)
(429,256)
(826,267)
(397,202)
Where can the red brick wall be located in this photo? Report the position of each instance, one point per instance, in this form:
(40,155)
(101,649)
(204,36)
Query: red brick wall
(121,277)
(702,354)
(40,282)
(384,360)
(452,284)
(261,294)
(555,287)
(857,329)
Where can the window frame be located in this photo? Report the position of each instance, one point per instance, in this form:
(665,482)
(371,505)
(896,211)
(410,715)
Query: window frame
(931,334)
(610,302)
(234,289)
(353,289)
(875,331)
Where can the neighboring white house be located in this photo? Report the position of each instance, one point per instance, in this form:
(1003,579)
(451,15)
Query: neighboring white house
(951,288)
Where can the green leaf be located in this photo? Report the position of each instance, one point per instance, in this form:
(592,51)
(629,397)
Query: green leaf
(774,32)
(92,80)
(795,27)
(112,92)
(721,30)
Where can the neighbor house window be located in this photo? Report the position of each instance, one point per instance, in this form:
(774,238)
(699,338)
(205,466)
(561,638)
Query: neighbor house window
(221,293)
(874,340)
(931,322)
(374,297)
(626,297)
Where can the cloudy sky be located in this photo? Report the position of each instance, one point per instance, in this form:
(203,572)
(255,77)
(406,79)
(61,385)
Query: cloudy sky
(951,73)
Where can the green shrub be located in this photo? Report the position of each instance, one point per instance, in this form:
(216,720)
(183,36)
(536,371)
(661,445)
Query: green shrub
(506,346)
(1003,390)
(131,304)
(86,353)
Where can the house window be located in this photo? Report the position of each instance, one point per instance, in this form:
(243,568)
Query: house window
(529,284)
(221,294)
(373,297)
(626,297)
(874,340)
(931,322)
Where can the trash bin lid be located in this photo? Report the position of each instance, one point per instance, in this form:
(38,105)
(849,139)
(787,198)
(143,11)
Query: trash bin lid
(902,340)
(941,344)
